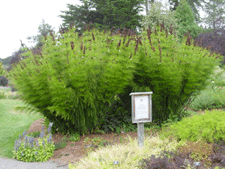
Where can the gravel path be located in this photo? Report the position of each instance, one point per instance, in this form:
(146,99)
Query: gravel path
(6,163)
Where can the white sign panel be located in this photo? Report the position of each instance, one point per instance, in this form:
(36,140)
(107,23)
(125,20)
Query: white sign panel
(141,107)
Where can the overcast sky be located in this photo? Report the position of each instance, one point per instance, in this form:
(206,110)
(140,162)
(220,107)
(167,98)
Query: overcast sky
(21,18)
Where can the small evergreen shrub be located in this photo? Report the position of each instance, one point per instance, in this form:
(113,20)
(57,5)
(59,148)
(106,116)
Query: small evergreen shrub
(29,150)
(3,81)
(204,127)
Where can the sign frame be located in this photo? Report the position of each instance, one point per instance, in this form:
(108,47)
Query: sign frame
(135,105)
(145,108)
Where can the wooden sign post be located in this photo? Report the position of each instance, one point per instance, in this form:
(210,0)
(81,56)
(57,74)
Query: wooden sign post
(141,103)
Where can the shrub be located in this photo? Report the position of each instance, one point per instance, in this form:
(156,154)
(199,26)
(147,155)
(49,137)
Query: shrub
(13,89)
(173,73)
(186,20)
(74,80)
(204,127)
(116,116)
(30,151)
(72,95)
(215,40)
(209,99)
(3,81)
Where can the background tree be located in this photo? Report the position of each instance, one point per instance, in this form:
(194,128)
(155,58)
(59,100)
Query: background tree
(194,4)
(2,71)
(160,13)
(215,10)
(106,14)
(185,20)
(43,30)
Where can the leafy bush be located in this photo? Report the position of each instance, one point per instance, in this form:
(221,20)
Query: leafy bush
(209,99)
(30,151)
(204,127)
(214,39)
(3,81)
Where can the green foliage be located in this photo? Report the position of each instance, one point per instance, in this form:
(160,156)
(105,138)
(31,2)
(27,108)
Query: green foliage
(61,144)
(185,20)
(194,4)
(70,87)
(43,30)
(6,61)
(74,137)
(161,14)
(2,95)
(214,95)
(174,73)
(34,134)
(74,80)
(204,127)
(209,99)
(2,71)
(214,11)
(104,14)
(116,116)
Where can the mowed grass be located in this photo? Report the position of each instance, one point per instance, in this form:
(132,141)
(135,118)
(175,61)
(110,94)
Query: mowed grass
(12,124)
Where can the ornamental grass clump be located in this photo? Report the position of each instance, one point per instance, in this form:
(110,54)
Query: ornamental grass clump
(30,150)
(73,81)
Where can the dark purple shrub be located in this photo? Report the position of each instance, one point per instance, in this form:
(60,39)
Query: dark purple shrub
(3,81)
(214,39)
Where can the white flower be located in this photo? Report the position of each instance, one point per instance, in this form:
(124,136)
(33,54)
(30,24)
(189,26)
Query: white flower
(212,81)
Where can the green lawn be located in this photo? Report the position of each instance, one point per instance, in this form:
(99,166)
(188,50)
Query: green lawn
(13,124)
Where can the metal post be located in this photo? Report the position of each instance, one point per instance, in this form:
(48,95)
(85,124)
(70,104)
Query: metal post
(140,127)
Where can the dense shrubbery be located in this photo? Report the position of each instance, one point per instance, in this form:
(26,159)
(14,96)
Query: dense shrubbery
(74,80)
(205,127)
